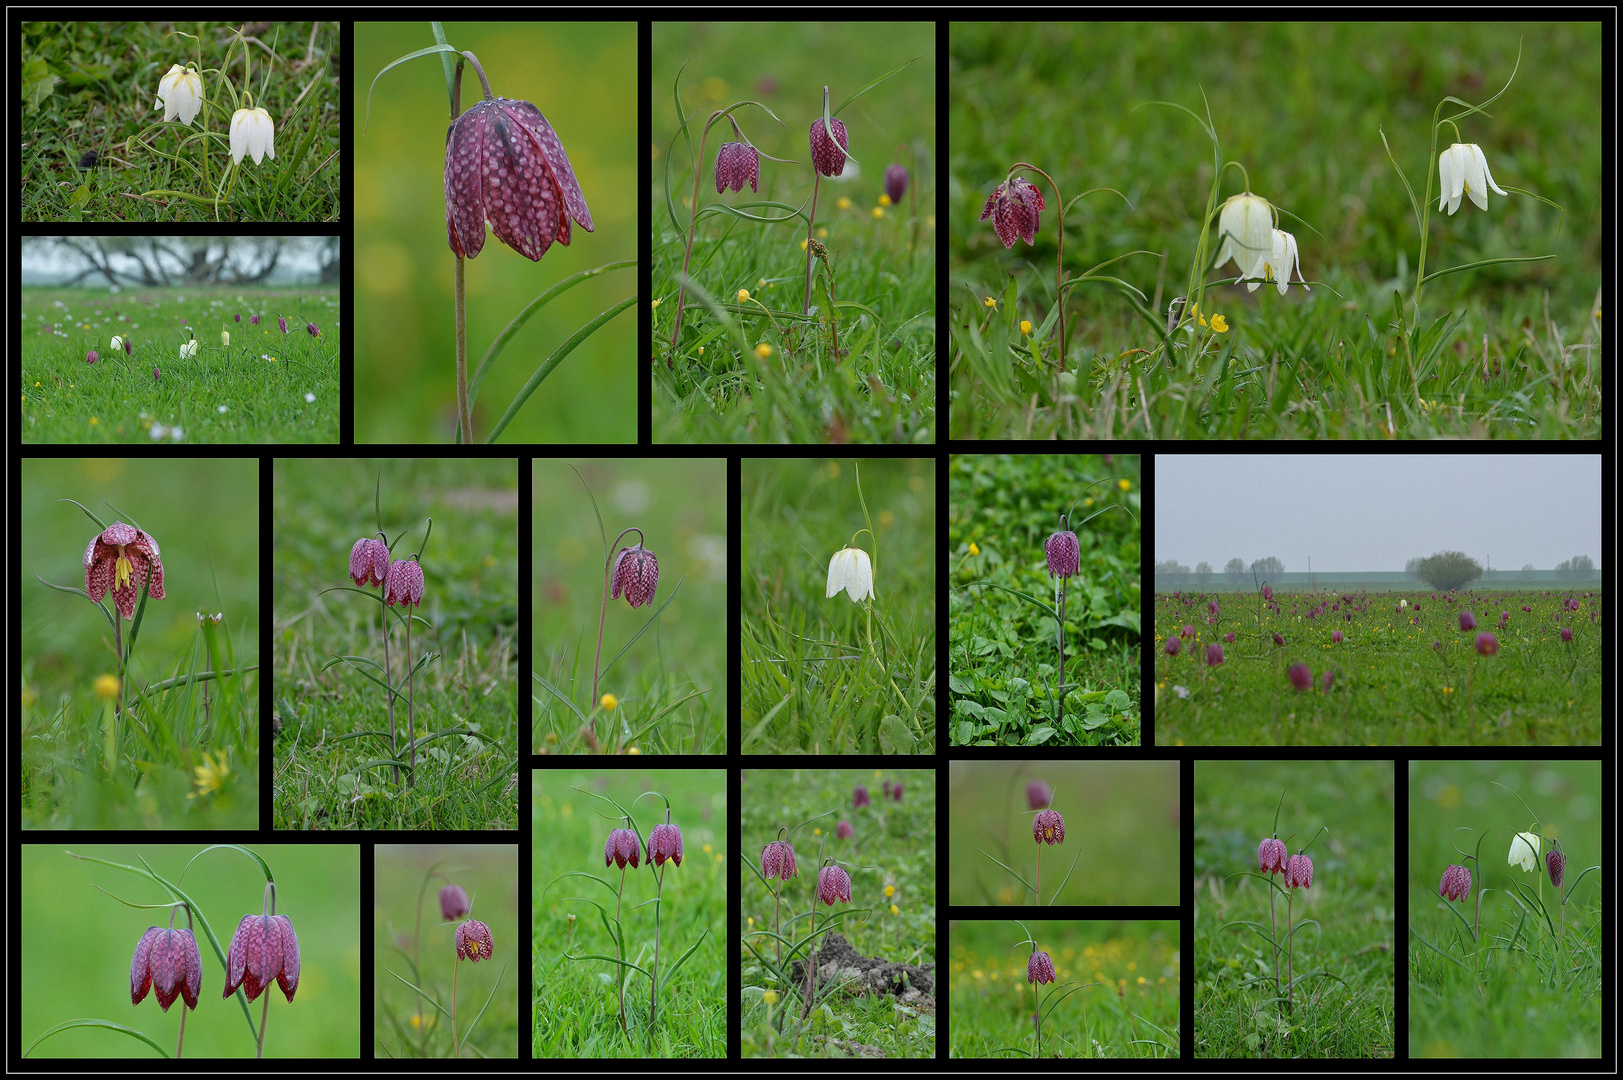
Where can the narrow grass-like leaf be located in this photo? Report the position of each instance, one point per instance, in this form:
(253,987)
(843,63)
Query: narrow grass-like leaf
(552,362)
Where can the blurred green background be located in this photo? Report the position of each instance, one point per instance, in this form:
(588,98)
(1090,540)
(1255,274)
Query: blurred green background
(488,873)
(1300,105)
(85,970)
(581,77)
(681,506)
(197,510)
(1123,816)
(784,66)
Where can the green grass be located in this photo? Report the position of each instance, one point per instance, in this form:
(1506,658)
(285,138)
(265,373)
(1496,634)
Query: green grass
(189,757)
(414,944)
(1133,1014)
(1509,350)
(328,773)
(891,860)
(671,686)
(1345,917)
(405,340)
(575,1011)
(92,936)
(1391,686)
(759,369)
(1534,986)
(224,394)
(1121,815)
(92,87)
(1005,659)
(810,681)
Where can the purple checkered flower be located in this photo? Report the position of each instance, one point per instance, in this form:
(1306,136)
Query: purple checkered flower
(168,962)
(1013,208)
(1064,555)
(1040,968)
(665,842)
(778,860)
(404,583)
(1048,828)
(1456,883)
(737,163)
(636,571)
(453,902)
(896,182)
(1272,856)
(622,848)
(833,883)
(1299,872)
(828,155)
(369,561)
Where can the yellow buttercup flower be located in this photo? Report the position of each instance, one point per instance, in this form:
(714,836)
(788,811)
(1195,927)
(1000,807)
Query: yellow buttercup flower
(106,686)
(1219,324)
(1025,326)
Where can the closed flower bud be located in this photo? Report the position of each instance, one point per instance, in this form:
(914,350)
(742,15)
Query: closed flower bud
(1039,795)
(1556,862)
(1301,676)
(1467,620)
(92,356)
(1064,555)
(860,796)
(895,182)
(842,831)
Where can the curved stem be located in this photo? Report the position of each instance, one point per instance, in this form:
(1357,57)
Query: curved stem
(1059,260)
(603,614)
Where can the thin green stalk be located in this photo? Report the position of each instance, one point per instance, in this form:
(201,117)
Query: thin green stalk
(1038,1018)
(620,950)
(456,1043)
(411,701)
(1059,259)
(264,1015)
(653,979)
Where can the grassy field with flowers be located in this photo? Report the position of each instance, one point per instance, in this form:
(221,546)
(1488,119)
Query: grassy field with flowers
(748,364)
(1005,660)
(889,857)
(1346,912)
(1130,1012)
(1379,669)
(1308,159)
(1535,985)
(263,386)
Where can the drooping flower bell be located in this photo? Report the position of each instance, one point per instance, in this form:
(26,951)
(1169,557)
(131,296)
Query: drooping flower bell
(1272,856)
(1039,795)
(225,338)
(828,155)
(1299,872)
(504,165)
(117,559)
(665,842)
(264,950)
(1277,263)
(1462,170)
(1040,968)
(1301,676)
(842,831)
(188,348)
(1013,207)
(116,344)
(1064,554)
(1556,862)
(282,322)
(736,164)
(166,961)
(621,848)
(473,941)
(92,356)
(1467,620)
(1524,851)
(254,133)
(1456,883)
(1487,644)
(1243,229)
(778,861)
(833,883)
(312,329)
(859,797)
(895,182)
(636,573)
(180,92)
(1048,828)
(850,569)
(453,902)
(369,561)
(404,583)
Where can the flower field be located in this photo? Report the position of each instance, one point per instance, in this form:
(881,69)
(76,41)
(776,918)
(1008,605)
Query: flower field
(1379,668)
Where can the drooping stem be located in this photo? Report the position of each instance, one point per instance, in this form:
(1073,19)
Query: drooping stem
(1059,260)
(602,617)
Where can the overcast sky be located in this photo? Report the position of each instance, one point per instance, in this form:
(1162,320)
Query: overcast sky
(1376,512)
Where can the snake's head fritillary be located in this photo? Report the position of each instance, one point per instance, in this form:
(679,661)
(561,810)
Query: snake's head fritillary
(264,950)
(473,941)
(166,961)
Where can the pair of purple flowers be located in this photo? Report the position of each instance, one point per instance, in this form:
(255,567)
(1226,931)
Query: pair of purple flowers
(263,951)
(738,163)
(1273,858)
(778,863)
(401,579)
(664,842)
(473,941)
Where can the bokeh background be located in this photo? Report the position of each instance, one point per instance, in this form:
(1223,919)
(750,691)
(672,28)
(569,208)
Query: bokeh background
(580,76)
(1300,105)
(85,970)
(488,873)
(680,504)
(1123,816)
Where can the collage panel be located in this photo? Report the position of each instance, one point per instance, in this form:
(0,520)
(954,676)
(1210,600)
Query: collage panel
(397,620)
(629,913)
(1307,846)
(630,562)
(838,899)
(149,944)
(837,605)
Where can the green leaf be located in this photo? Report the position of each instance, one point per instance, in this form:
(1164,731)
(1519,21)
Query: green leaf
(430,51)
(108,1024)
(552,362)
(894,736)
(1040,736)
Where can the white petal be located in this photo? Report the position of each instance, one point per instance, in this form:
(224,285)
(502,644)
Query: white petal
(836,574)
(1488,176)
(1451,177)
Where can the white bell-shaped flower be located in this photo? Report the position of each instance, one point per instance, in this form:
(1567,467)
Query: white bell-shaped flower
(1524,851)
(1462,169)
(1277,263)
(188,348)
(180,92)
(225,337)
(851,570)
(252,132)
(1243,225)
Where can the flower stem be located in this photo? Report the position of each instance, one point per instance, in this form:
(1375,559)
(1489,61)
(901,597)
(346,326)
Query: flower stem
(1290,952)
(653,988)
(182,1041)
(463,417)
(1039,875)
(1037,1017)
(1060,710)
(1059,260)
(456,1043)
(687,250)
(264,1015)
(388,682)
(620,947)
(411,701)
(811,221)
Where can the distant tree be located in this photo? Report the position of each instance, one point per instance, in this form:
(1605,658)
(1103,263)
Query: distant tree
(1235,570)
(1583,567)
(1203,573)
(1270,565)
(1411,568)
(1171,572)
(1448,570)
(1528,573)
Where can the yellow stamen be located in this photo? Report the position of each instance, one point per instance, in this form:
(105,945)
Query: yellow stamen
(121,570)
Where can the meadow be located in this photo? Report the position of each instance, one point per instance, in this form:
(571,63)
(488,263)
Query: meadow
(891,915)
(265,386)
(415,950)
(1005,680)
(1131,1011)
(825,674)
(1409,677)
(96,147)
(1346,915)
(183,753)
(1533,984)
(579,909)
(857,362)
(1120,814)
(1400,319)
(661,670)
(334,769)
